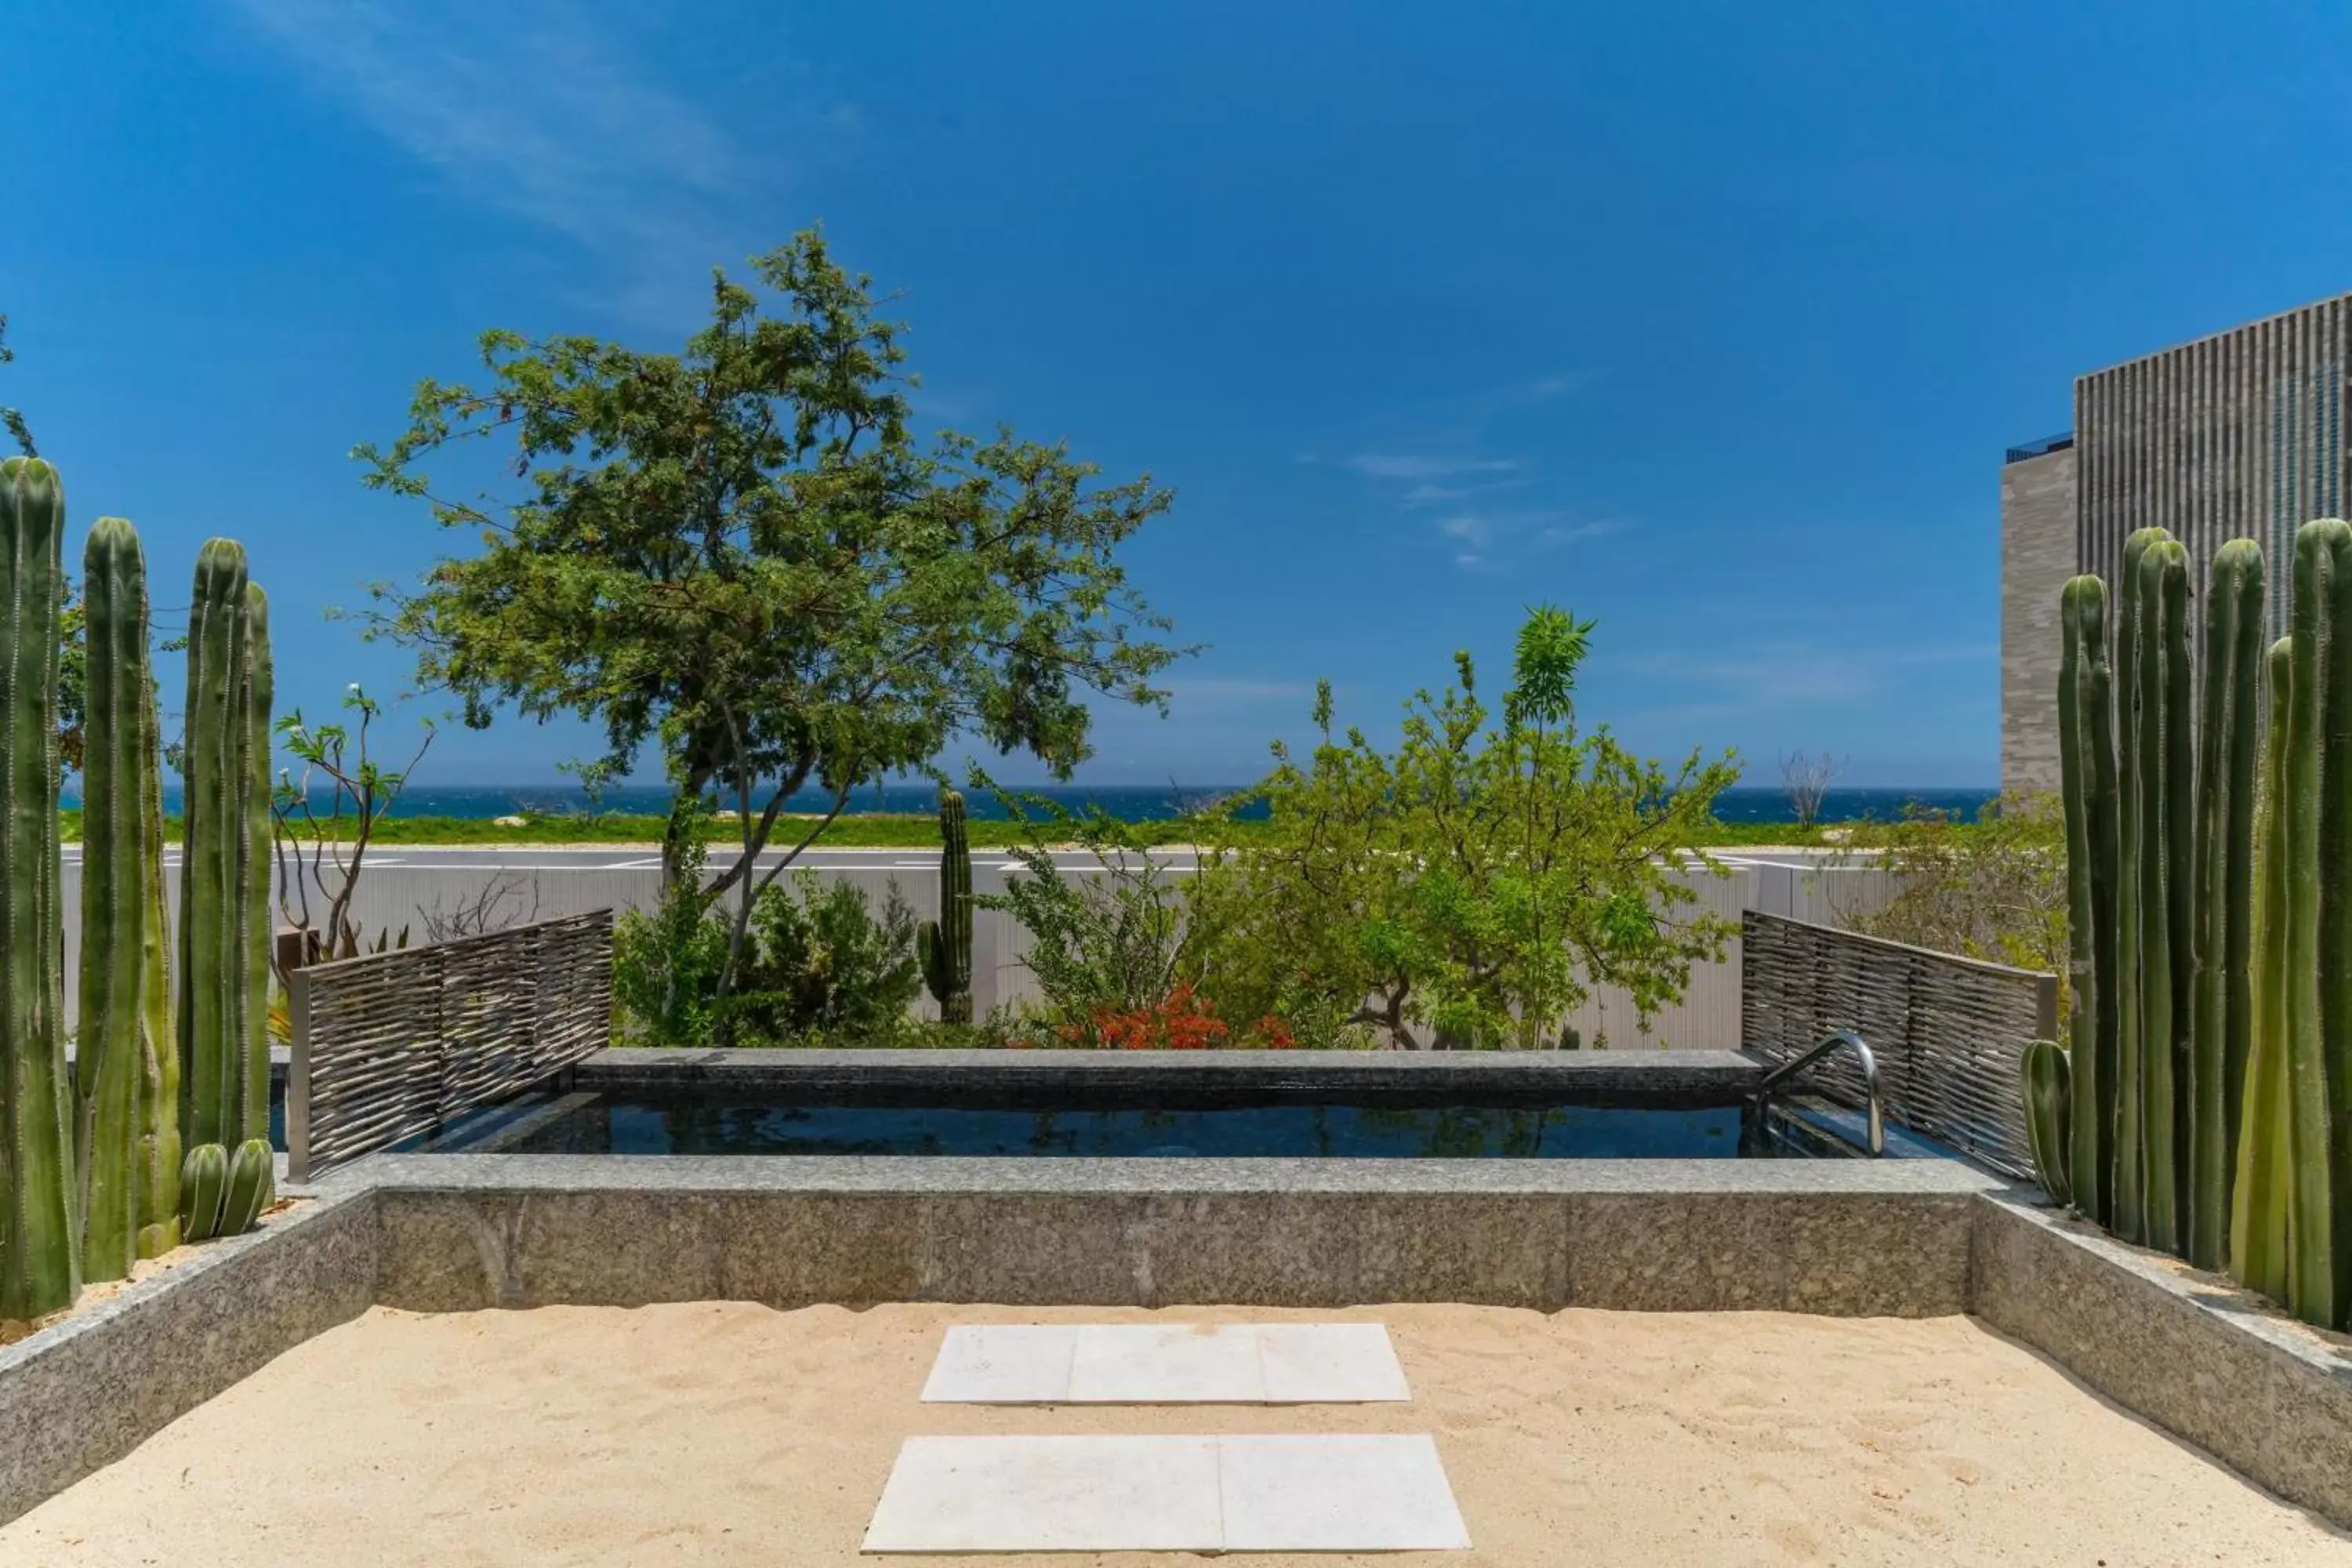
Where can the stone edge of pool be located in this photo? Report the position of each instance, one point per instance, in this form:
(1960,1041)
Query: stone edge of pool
(1693,1072)
(2186,1351)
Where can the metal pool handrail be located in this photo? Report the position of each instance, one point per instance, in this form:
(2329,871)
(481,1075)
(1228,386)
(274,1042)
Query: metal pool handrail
(1814,1052)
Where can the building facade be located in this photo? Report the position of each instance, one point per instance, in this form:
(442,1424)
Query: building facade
(2037,556)
(2241,435)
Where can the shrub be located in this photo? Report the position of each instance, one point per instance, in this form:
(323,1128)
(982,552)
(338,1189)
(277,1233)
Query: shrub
(1470,887)
(1181,1021)
(1103,941)
(818,968)
(667,964)
(1994,888)
(823,969)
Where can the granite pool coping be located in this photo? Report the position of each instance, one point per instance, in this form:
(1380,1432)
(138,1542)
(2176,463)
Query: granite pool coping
(1729,1075)
(950,1175)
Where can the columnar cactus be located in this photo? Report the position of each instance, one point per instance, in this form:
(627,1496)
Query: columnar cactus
(117,1061)
(2129,1215)
(159,1122)
(224,970)
(2223,1014)
(2317,918)
(2087,753)
(2229,995)
(40,1269)
(946,944)
(2260,1199)
(2164,764)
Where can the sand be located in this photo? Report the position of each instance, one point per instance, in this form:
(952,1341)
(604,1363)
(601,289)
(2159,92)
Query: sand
(724,1433)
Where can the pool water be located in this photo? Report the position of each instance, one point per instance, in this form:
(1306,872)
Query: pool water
(640,1122)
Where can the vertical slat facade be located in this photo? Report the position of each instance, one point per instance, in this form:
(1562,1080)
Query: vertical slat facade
(2237,435)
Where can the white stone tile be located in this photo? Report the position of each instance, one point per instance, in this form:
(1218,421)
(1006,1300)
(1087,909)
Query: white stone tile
(1330,1363)
(1050,1494)
(1167,1364)
(1336,1492)
(1004,1363)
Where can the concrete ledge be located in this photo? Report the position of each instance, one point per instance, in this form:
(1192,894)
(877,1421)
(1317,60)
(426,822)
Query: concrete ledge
(1678,1077)
(1907,1238)
(2207,1361)
(1833,1237)
(89,1390)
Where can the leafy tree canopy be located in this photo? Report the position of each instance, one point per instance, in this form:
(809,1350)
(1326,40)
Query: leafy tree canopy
(742,553)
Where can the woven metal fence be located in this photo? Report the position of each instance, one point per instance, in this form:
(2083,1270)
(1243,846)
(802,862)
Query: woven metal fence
(1948,1032)
(395,1045)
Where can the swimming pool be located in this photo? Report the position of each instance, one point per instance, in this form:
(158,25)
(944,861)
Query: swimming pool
(989,1121)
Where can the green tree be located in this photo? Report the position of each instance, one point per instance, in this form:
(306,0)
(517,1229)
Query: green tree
(742,553)
(1474,884)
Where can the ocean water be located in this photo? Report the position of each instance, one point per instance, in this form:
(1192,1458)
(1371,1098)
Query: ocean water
(1129,803)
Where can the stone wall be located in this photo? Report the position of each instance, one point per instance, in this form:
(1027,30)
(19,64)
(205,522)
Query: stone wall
(2037,556)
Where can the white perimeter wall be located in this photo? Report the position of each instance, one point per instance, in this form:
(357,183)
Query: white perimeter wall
(1806,887)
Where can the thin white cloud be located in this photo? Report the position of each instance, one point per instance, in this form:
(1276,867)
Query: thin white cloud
(1476,531)
(1556,385)
(1425,466)
(1555,535)
(1794,674)
(541,109)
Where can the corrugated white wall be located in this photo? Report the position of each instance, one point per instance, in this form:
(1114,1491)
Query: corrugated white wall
(392,896)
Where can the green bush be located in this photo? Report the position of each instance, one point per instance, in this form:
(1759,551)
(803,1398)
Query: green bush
(1100,941)
(823,969)
(1468,889)
(667,964)
(1994,888)
(819,968)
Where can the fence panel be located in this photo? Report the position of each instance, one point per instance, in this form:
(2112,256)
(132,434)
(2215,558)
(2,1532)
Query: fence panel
(1947,1031)
(395,1045)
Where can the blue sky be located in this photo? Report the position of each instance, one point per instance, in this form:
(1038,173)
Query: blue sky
(1710,322)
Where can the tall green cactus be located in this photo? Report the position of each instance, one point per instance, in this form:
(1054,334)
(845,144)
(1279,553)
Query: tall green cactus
(2087,757)
(2317,917)
(2231,984)
(2129,1215)
(112,1066)
(946,944)
(223,937)
(2162,778)
(158,1120)
(2261,1199)
(39,1266)
(257,691)
(2223,1003)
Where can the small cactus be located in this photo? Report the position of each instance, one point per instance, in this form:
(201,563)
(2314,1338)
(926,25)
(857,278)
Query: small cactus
(251,1186)
(204,1182)
(2047,1085)
(945,944)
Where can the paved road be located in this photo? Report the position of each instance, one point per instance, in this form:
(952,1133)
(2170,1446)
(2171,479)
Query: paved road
(613,857)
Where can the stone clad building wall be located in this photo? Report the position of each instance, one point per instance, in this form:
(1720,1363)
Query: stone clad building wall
(2037,556)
